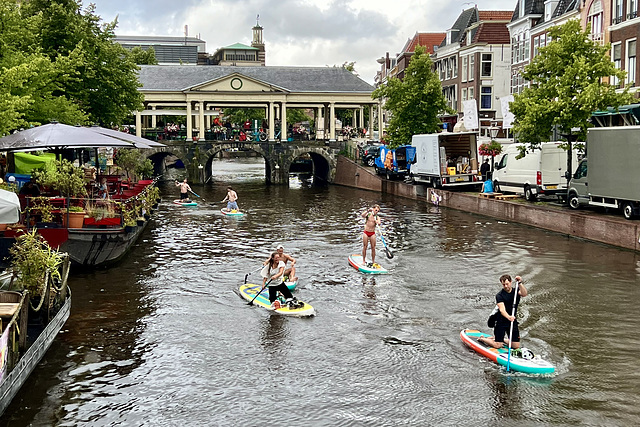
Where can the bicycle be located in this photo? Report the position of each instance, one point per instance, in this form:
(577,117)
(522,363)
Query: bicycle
(263,136)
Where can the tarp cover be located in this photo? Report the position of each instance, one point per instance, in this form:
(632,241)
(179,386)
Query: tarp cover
(26,162)
(9,207)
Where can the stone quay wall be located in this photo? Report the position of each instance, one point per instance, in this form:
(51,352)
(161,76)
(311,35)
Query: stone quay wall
(609,229)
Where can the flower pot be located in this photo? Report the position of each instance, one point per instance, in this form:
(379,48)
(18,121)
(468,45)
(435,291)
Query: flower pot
(129,228)
(140,222)
(76,219)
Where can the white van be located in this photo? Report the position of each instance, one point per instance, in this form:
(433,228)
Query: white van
(539,172)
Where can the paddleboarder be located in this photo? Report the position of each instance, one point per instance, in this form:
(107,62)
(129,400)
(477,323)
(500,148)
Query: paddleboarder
(231,199)
(273,276)
(369,234)
(507,313)
(184,190)
(291,271)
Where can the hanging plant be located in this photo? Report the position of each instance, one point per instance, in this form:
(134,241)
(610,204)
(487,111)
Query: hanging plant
(492,149)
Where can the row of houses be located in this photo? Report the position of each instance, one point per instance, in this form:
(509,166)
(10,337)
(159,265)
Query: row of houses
(481,56)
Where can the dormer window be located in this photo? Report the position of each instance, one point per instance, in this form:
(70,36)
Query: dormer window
(549,8)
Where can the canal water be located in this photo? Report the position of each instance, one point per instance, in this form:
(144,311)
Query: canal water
(164,339)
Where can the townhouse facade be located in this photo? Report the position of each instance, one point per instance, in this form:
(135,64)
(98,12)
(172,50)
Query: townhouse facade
(473,64)
(624,29)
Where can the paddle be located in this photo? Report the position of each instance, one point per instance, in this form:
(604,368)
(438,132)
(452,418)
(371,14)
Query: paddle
(513,312)
(246,276)
(194,193)
(386,248)
(262,289)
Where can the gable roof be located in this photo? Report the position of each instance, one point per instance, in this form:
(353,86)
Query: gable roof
(174,78)
(240,46)
(531,7)
(491,33)
(428,40)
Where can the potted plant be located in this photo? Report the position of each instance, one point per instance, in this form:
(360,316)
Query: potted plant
(41,206)
(34,263)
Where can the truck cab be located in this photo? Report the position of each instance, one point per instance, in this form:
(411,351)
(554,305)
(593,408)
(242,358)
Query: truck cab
(578,191)
(395,162)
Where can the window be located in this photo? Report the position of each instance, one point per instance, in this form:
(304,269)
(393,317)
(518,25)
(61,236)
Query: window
(616,56)
(631,62)
(617,11)
(441,70)
(486,65)
(486,95)
(454,66)
(464,71)
(471,94)
(448,65)
(536,43)
(632,9)
(464,94)
(472,67)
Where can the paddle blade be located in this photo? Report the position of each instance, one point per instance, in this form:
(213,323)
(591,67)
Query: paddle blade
(389,253)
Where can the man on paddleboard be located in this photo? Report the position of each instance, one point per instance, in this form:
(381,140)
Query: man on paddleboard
(184,190)
(504,300)
(231,199)
(291,271)
(369,234)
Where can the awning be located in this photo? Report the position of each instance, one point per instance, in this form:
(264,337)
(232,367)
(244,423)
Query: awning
(630,114)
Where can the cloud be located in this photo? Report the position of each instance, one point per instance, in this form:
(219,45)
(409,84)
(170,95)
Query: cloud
(296,32)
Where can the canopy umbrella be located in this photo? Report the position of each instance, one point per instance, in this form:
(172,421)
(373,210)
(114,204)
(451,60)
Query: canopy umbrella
(127,137)
(58,135)
(9,207)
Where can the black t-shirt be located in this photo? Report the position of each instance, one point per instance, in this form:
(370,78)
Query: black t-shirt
(507,299)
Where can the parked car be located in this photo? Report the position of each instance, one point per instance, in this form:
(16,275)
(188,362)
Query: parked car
(369,154)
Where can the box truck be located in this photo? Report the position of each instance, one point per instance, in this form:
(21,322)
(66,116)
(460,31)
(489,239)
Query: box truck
(612,179)
(395,163)
(446,159)
(539,172)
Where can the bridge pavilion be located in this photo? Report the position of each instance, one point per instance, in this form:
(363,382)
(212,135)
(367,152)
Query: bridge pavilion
(198,91)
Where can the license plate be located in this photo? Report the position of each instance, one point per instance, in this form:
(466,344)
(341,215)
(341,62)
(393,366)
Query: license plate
(552,187)
(460,179)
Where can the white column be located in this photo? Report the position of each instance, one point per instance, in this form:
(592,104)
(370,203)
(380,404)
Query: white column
(283,127)
(319,123)
(189,122)
(371,122)
(332,121)
(272,121)
(201,120)
(361,117)
(138,124)
(353,119)
(153,118)
(380,121)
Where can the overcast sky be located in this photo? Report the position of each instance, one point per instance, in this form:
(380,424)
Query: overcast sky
(296,32)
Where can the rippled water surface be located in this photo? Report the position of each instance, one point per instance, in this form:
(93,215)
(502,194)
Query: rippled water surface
(164,339)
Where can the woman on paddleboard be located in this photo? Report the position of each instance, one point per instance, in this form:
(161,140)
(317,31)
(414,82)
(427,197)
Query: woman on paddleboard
(369,234)
(505,301)
(273,275)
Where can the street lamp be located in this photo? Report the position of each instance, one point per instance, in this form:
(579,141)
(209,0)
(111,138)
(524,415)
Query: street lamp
(493,130)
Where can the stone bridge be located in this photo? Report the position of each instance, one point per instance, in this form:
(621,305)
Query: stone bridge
(198,156)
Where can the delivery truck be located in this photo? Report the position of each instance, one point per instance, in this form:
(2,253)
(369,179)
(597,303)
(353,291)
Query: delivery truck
(446,159)
(612,179)
(541,172)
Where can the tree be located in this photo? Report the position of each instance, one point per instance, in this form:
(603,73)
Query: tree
(566,88)
(143,57)
(103,81)
(415,102)
(29,80)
